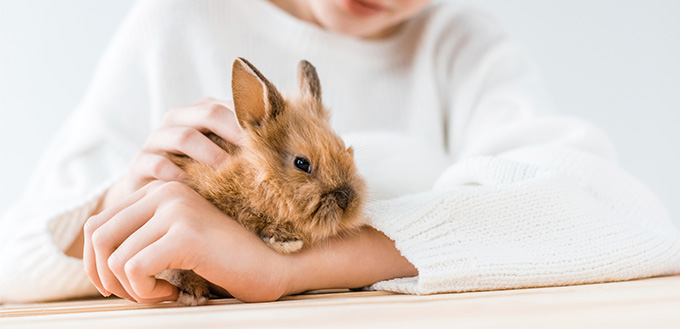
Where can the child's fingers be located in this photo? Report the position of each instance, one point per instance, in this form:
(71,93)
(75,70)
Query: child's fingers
(142,268)
(91,226)
(187,141)
(109,236)
(208,115)
(149,166)
(91,267)
(137,241)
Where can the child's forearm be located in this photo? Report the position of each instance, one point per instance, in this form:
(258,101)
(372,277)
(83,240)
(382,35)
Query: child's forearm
(357,260)
(257,273)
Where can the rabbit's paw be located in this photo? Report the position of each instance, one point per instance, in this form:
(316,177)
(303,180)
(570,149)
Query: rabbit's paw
(191,298)
(283,246)
(193,289)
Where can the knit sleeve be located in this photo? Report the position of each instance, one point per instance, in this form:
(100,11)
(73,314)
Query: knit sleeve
(91,150)
(530,200)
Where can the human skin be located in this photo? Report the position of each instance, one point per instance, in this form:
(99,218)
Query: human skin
(167,225)
(170,226)
(367,19)
(148,221)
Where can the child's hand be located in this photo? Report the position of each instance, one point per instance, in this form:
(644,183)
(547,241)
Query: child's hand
(169,226)
(181,132)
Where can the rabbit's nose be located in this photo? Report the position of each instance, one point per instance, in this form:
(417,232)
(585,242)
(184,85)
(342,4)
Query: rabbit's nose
(344,196)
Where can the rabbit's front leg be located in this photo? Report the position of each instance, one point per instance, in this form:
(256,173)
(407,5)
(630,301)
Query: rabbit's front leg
(283,246)
(282,237)
(193,289)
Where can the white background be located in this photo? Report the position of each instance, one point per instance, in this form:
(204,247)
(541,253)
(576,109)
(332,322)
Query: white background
(613,62)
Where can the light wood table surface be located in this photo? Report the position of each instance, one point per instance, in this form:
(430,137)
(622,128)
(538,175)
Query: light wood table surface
(649,303)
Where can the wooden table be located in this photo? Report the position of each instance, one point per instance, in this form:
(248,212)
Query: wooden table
(649,303)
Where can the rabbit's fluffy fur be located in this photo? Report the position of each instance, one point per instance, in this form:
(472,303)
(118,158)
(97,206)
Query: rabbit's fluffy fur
(266,184)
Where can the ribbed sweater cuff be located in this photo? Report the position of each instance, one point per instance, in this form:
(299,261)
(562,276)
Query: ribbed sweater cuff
(65,227)
(41,271)
(524,227)
(401,220)
(532,249)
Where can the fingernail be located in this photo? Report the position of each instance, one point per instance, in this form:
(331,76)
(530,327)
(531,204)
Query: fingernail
(103,292)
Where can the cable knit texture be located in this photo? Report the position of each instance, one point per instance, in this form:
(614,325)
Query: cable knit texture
(478,184)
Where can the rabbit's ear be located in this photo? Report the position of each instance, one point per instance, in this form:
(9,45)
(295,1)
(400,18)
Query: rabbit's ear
(256,100)
(309,80)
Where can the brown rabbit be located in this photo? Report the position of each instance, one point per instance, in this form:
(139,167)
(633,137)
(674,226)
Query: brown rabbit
(293,182)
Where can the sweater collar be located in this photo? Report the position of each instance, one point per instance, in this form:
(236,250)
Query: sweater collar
(313,41)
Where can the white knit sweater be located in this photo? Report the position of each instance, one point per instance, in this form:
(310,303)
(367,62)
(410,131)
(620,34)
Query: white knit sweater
(478,187)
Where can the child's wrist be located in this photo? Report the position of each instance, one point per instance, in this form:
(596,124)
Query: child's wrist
(294,273)
(279,277)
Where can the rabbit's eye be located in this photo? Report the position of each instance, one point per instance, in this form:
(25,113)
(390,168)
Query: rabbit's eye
(303,164)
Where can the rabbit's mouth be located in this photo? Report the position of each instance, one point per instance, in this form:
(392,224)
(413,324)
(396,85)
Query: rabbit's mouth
(335,212)
(334,206)
(339,199)
(344,196)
